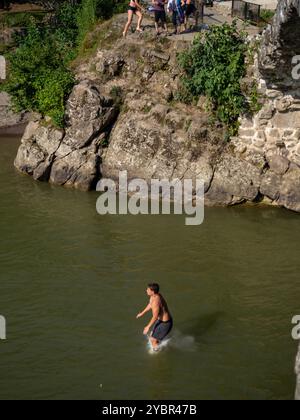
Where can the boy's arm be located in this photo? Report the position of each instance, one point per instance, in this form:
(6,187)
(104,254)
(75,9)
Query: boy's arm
(147,309)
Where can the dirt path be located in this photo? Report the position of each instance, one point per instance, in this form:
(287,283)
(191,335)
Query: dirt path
(216,15)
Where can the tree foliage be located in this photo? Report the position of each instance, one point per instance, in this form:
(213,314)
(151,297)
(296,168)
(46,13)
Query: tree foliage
(39,76)
(214,67)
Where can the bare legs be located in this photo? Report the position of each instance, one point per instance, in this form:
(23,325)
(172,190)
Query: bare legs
(165,28)
(140,19)
(129,22)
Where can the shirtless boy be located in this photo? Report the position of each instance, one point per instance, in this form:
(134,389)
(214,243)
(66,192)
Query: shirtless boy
(161,320)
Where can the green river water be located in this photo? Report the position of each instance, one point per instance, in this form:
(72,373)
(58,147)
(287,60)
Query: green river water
(72,282)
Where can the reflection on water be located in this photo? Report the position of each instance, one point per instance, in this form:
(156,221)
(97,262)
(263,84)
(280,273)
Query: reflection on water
(71,283)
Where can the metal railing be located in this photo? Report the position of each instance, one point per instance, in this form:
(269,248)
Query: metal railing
(246,11)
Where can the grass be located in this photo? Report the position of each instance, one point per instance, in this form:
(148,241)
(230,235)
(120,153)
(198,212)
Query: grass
(102,35)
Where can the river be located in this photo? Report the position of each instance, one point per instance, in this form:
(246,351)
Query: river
(72,283)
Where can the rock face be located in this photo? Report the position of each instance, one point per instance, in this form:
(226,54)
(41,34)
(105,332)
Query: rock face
(69,157)
(121,116)
(160,143)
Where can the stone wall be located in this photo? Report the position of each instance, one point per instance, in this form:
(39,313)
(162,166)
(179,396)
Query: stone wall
(276,128)
(271,138)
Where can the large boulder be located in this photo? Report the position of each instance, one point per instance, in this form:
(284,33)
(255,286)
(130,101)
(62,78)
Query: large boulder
(290,189)
(88,113)
(37,151)
(69,157)
(78,169)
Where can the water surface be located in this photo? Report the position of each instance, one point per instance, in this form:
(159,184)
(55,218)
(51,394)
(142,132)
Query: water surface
(72,282)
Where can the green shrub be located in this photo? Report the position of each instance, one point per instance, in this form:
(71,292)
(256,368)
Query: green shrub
(267,15)
(52,90)
(20,19)
(213,67)
(38,79)
(86,17)
(120,6)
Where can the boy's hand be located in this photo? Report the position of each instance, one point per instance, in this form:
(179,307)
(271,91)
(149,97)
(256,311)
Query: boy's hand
(146,330)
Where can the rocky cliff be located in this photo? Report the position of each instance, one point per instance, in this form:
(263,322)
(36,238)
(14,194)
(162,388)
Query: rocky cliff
(121,115)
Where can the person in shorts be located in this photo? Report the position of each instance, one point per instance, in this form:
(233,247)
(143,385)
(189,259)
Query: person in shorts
(175,7)
(160,15)
(161,322)
(189,10)
(134,8)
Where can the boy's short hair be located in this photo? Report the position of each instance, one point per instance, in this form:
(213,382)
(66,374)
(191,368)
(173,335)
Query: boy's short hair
(154,287)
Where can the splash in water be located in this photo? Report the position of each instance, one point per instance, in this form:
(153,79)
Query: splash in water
(176,340)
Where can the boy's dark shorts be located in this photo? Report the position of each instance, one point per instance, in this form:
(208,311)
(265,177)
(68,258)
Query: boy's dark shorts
(161,329)
(160,16)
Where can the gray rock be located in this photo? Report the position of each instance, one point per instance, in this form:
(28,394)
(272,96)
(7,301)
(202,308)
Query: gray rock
(278,164)
(270,185)
(78,169)
(235,180)
(29,157)
(88,113)
(69,158)
(290,190)
(109,63)
(148,147)
(42,171)
(36,153)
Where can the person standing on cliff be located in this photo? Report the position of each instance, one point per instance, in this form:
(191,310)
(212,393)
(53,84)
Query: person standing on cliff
(175,7)
(134,8)
(161,320)
(189,10)
(160,15)
(199,13)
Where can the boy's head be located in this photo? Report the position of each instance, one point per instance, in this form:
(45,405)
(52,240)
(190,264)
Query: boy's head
(152,289)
